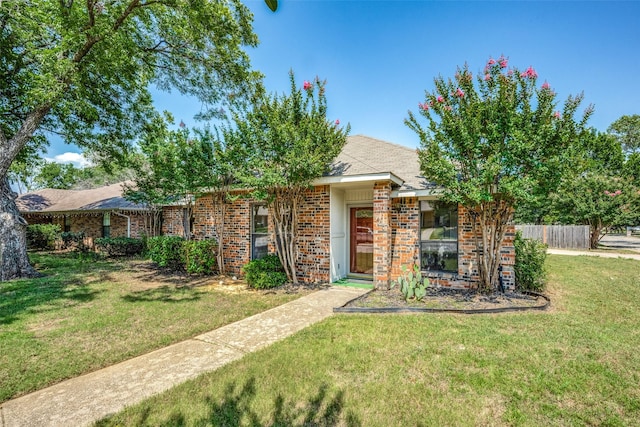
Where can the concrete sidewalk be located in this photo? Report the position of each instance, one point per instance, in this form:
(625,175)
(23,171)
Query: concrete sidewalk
(589,253)
(83,400)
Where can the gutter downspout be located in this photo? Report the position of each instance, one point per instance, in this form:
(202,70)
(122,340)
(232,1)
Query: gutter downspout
(128,221)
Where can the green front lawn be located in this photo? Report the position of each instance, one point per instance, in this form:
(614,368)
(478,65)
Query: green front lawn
(576,364)
(85,315)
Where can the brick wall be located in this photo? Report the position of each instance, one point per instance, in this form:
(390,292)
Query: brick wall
(405,234)
(382,245)
(314,233)
(172,224)
(91,223)
(405,222)
(396,237)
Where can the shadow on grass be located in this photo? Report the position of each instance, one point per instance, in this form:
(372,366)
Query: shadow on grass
(40,295)
(322,409)
(164,294)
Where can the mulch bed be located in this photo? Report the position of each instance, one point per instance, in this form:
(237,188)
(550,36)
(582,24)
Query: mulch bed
(445,299)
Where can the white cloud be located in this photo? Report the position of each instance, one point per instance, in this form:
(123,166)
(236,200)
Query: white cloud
(76,158)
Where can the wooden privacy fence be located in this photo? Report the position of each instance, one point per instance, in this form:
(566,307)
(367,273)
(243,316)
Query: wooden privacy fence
(558,236)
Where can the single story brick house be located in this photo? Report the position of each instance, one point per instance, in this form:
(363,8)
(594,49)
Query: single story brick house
(371,215)
(99,212)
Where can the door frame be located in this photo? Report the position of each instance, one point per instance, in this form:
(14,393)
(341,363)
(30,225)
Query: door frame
(349,240)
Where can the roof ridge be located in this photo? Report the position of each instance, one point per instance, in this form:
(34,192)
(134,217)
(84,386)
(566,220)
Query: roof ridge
(385,142)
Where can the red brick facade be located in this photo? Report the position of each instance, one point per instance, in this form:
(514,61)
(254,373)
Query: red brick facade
(396,240)
(382,245)
(91,223)
(313,232)
(405,223)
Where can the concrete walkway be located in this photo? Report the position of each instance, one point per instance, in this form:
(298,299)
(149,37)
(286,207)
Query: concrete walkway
(590,253)
(83,400)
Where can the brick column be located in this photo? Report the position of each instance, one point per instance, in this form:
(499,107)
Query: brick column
(381,234)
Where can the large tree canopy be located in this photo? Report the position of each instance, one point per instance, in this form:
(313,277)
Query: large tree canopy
(491,142)
(83,70)
(627,131)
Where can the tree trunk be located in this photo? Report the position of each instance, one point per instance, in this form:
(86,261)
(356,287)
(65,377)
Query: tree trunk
(285,223)
(594,238)
(489,221)
(14,262)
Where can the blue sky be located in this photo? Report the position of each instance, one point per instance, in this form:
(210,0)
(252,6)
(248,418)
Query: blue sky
(379,57)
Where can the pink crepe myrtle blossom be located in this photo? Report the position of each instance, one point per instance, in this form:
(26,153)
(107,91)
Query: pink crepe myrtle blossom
(530,73)
(424,106)
(337,122)
(491,61)
(487,77)
(557,114)
(306,85)
(440,98)
(503,62)
(546,86)
(460,93)
(447,107)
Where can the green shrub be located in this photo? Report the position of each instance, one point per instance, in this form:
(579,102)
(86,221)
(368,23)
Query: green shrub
(166,251)
(119,246)
(200,256)
(412,284)
(529,268)
(72,239)
(265,273)
(42,237)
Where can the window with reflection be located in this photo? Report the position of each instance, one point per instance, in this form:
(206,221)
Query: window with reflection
(259,231)
(438,236)
(106,224)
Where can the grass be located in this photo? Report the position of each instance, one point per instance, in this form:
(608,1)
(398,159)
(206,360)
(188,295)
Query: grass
(576,364)
(84,315)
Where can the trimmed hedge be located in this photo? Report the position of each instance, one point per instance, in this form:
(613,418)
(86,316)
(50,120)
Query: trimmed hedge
(192,256)
(531,255)
(200,256)
(72,239)
(166,251)
(265,273)
(42,237)
(120,246)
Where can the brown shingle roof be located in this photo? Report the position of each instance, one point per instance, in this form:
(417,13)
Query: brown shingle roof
(52,200)
(363,155)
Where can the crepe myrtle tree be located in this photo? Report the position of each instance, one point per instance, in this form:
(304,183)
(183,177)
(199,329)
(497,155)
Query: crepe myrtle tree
(179,166)
(287,141)
(82,69)
(599,200)
(490,141)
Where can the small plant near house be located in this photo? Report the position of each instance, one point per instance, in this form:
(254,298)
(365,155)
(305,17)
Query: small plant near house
(166,251)
(412,284)
(42,237)
(120,246)
(200,256)
(72,239)
(529,268)
(265,273)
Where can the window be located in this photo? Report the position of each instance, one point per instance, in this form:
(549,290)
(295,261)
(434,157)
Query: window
(67,223)
(259,231)
(438,236)
(106,224)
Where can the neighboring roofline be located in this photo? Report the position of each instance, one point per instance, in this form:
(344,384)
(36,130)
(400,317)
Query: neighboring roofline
(354,179)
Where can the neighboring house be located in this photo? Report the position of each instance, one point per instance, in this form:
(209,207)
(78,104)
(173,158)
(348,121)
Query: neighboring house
(371,215)
(99,212)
